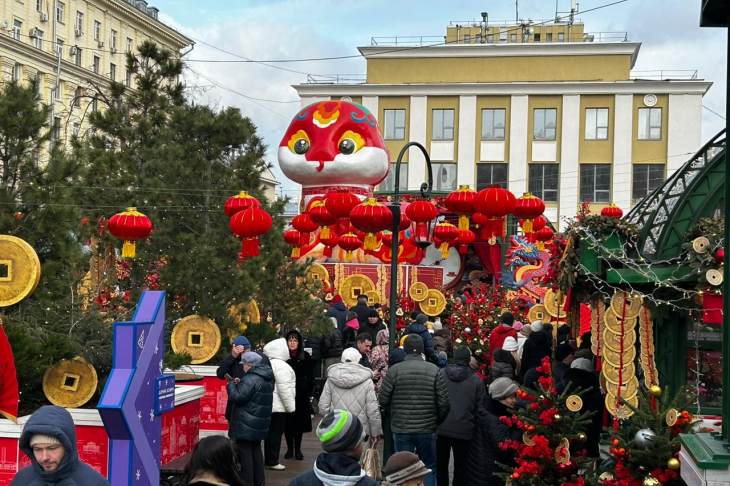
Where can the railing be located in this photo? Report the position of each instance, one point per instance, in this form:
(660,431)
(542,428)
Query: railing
(510,22)
(665,74)
(336,79)
(494,38)
(407,40)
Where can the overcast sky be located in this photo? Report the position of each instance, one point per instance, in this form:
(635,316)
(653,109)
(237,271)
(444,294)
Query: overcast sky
(294,29)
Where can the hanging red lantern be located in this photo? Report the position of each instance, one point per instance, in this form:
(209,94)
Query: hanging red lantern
(322,217)
(349,242)
(612,211)
(527,208)
(292,238)
(544,235)
(443,234)
(240,202)
(249,225)
(339,203)
(422,212)
(329,242)
(304,224)
(461,202)
(463,240)
(130,226)
(539,223)
(495,203)
(405,221)
(371,217)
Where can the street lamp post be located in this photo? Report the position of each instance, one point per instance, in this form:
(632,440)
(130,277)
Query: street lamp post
(395,209)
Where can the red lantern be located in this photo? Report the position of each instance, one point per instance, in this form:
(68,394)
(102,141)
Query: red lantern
(461,202)
(443,234)
(495,203)
(371,217)
(422,212)
(130,226)
(249,225)
(240,202)
(322,217)
(405,222)
(544,235)
(292,238)
(387,237)
(349,242)
(304,224)
(339,203)
(612,211)
(527,208)
(463,240)
(720,255)
(329,242)
(539,223)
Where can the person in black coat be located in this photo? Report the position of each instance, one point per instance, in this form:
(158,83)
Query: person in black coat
(581,379)
(504,364)
(251,398)
(299,421)
(373,325)
(361,309)
(231,365)
(337,310)
(419,327)
(537,346)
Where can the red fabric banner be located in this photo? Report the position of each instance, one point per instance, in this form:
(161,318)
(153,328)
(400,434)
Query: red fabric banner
(490,257)
(711,308)
(9,393)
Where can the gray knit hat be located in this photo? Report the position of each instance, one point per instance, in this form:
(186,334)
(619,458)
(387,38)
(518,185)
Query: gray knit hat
(502,387)
(249,357)
(339,431)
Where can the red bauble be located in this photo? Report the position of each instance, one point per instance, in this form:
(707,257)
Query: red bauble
(612,211)
(249,225)
(387,237)
(720,255)
(461,202)
(240,202)
(527,208)
(349,242)
(421,211)
(129,226)
(443,234)
(304,224)
(371,217)
(292,238)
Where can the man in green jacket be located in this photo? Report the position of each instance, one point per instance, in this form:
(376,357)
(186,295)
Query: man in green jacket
(415,395)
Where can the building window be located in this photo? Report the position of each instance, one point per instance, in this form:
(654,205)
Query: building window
(544,123)
(130,44)
(38,39)
(646,178)
(444,176)
(388,184)
(493,124)
(56,132)
(536,37)
(650,123)
(549,37)
(76,129)
(543,181)
(490,174)
(596,124)
(513,37)
(395,124)
(77,56)
(39,5)
(443,124)
(467,38)
(129,78)
(17,28)
(490,38)
(59,47)
(79,26)
(60,11)
(561,36)
(113,39)
(94,104)
(78,93)
(97,30)
(113,71)
(16,74)
(595,183)
(96,65)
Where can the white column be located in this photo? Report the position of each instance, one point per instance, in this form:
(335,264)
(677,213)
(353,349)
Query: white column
(622,138)
(568,186)
(465,171)
(308,100)
(416,161)
(371,103)
(684,133)
(518,145)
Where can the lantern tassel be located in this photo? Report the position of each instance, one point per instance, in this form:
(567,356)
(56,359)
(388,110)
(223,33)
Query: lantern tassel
(464,222)
(527,226)
(324,233)
(540,245)
(295,252)
(129,249)
(444,247)
(348,255)
(371,242)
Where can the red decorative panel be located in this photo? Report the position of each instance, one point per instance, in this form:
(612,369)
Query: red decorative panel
(213,404)
(180,431)
(93,446)
(8,459)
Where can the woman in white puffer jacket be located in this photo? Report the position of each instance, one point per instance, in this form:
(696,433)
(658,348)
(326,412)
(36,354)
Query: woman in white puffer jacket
(349,386)
(285,382)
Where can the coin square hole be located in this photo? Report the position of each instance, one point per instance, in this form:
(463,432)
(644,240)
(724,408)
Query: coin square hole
(356,291)
(432,302)
(6,270)
(70,382)
(195,339)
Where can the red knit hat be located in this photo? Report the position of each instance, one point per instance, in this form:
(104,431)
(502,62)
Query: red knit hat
(336,299)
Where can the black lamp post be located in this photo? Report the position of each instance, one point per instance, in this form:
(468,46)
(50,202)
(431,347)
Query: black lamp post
(395,209)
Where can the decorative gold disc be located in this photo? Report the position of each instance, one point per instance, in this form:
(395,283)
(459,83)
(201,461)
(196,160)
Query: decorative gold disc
(629,388)
(554,303)
(537,313)
(317,272)
(198,336)
(610,371)
(614,342)
(626,304)
(418,291)
(614,357)
(701,244)
(245,314)
(714,277)
(620,411)
(373,297)
(353,286)
(434,303)
(613,323)
(574,403)
(671,417)
(20,270)
(528,438)
(70,383)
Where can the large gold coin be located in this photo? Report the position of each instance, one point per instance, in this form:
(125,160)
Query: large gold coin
(353,286)
(537,313)
(554,303)
(611,372)
(373,297)
(434,303)
(613,323)
(614,341)
(620,410)
(629,388)
(626,304)
(318,273)
(20,270)
(198,336)
(615,358)
(70,383)
(245,314)
(418,291)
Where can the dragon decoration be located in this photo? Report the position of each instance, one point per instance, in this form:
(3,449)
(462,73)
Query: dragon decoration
(525,267)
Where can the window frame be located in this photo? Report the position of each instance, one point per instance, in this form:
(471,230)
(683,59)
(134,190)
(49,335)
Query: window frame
(561,36)
(435,166)
(17,29)
(594,196)
(546,137)
(647,183)
(647,126)
(485,135)
(39,6)
(60,44)
(16,72)
(79,22)
(96,64)
(388,184)
(97,30)
(396,129)
(112,71)
(78,93)
(595,124)
(78,57)
(130,44)
(38,39)
(60,12)
(113,34)
(492,166)
(444,128)
(541,191)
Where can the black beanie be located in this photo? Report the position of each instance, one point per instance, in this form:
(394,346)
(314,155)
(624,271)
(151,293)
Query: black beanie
(413,344)
(462,355)
(507,318)
(562,351)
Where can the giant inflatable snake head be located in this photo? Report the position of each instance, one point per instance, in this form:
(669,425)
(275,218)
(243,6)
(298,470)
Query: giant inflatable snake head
(334,143)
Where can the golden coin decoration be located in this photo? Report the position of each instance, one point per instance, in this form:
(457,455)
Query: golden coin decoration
(671,417)
(625,304)
(611,372)
(353,286)
(418,291)
(434,303)
(199,336)
(318,273)
(714,277)
(617,358)
(621,410)
(373,297)
(701,244)
(537,313)
(528,438)
(613,322)
(70,383)
(598,314)
(20,270)
(646,357)
(554,303)
(574,403)
(245,314)
(629,388)
(615,342)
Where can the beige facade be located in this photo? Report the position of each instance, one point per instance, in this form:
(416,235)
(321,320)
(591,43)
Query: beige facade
(561,116)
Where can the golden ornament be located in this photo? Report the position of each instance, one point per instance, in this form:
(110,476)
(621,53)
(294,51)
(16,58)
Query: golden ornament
(557,417)
(605,476)
(651,481)
(20,270)
(620,410)
(655,390)
(574,403)
(373,297)
(629,387)
(418,291)
(615,341)
(70,383)
(245,314)
(671,417)
(528,438)
(554,303)
(434,303)
(537,313)
(613,322)
(673,463)
(353,286)
(581,437)
(615,358)
(198,336)
(625,304)
(318,273)
(611,371)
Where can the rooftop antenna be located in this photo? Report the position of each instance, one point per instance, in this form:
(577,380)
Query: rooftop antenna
(557,18)
(517,11)
(485,21)
(573,10)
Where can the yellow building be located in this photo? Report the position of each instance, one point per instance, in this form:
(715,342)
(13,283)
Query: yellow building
(547,108)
